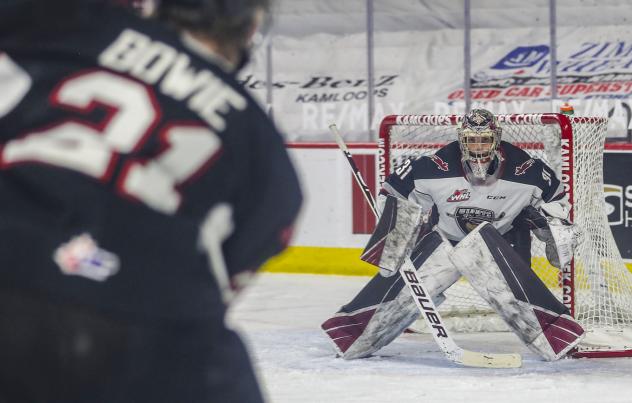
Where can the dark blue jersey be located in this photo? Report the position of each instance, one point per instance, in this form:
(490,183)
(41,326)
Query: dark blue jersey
(129,162)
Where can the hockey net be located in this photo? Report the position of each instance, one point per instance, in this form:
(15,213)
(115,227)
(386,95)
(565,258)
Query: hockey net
(597,287)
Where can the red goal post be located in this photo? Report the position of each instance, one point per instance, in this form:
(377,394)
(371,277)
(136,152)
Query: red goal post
(597,287)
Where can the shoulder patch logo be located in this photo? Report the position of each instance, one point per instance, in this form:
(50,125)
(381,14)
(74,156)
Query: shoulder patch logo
(440,163)
(459,195)
(522,168)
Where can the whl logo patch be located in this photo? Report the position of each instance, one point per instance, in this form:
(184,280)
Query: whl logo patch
(522,168)
(459,195)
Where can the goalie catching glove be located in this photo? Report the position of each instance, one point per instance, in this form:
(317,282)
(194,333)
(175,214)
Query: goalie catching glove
(552,226)
(564,239)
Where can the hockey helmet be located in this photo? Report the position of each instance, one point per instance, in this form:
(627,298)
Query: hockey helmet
(230,22)
(479,138)
(215,10)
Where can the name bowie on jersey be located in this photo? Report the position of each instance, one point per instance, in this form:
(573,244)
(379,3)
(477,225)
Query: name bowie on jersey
(155,62)
(468,218)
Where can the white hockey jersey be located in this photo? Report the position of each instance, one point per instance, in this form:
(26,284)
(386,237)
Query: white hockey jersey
(439,181)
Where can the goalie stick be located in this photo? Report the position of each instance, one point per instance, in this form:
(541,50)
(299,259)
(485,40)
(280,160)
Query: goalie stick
(423,300)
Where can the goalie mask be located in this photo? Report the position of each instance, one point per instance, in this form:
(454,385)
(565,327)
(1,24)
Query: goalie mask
(479,138)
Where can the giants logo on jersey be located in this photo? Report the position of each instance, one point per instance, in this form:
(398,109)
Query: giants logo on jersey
(522,168)
(468,218)
(459,195)
(440,163)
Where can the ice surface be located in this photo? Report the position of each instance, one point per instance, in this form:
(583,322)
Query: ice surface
(279,317)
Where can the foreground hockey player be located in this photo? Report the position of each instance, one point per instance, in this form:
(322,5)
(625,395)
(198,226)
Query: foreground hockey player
(481,197)
(141,186)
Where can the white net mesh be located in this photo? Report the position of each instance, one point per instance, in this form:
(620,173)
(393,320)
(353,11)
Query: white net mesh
(600,289)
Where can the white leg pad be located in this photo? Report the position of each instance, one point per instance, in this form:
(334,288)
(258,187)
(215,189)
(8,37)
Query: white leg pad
(515,292)
(393,317)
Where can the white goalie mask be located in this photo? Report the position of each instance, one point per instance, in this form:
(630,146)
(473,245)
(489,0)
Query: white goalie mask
(479,138)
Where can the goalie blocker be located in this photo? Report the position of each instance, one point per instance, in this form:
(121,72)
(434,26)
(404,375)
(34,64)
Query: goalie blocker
(384,308)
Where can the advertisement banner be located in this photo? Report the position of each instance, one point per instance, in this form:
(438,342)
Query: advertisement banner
(618,195)
(321,79)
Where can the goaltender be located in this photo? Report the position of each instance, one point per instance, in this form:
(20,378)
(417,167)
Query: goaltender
(481,197)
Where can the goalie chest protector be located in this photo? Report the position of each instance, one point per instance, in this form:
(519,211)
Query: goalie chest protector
(440,180)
